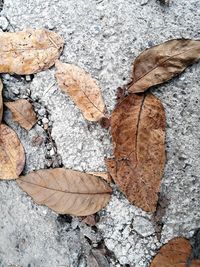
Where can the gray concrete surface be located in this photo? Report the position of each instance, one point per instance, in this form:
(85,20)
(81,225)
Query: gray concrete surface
(103,37)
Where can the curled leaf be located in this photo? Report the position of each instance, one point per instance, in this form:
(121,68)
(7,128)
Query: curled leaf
(138,133)
(29,51)
(176,253)
(66,191)
(1,101)
(12,156)
(22,113)
(82,88)
(160,63)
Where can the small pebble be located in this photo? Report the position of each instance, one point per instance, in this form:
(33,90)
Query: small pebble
(45,120)
(41,112)
(3,23)
(28,78)
(51,153)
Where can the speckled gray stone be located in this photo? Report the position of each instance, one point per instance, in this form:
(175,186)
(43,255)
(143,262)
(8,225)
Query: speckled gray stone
(103,37)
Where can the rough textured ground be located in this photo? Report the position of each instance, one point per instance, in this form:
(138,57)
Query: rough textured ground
(103,37)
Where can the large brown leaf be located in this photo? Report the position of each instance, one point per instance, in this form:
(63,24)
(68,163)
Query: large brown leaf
(22,113)
(29,51)
(12,156)
(1,101)
(67,191)
(82,88)
(162,62)
(138,133)
(176,253)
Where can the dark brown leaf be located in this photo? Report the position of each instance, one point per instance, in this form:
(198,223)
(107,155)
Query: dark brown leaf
(160,63)
(138,133)
(29,51)
(12,156)
(67,191)
(176,253)
(22,113)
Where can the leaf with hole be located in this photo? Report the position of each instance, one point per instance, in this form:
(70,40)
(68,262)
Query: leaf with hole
(176,253)
(83,90)
(67,191)
(12,156)
(29,51)
(138,134)
(22,113)
(160,63)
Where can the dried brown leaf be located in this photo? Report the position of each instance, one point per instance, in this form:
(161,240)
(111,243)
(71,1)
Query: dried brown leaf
(103,175)
(29,51)
(22,113)
(1,101)
(12,156)
(67,191)
(176,253)
(160,63)
(138,133)
(82,88)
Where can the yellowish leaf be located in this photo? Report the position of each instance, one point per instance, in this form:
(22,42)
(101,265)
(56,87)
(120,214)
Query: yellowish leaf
(83,90)
(29,51)
(1,101)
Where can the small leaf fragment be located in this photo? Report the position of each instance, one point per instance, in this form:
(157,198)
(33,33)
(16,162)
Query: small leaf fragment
(83,90)
(138,133)
(22,113)
(66,191)
(12,156)
(176,253)
(1,101)
(29,51)
(160,63)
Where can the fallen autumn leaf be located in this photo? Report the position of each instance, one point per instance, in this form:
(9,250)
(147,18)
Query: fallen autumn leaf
(12,156)
(138,133)
(22,113)
(66,191)
(82,88)
(176,253)
(29,51)
(160,63)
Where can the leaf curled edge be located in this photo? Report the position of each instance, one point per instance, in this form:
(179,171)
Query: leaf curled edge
(83,90)
(162,62)
(12,155)
(66,191)
(22,113)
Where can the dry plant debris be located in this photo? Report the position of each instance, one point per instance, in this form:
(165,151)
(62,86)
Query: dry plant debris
(12,156)
(176,253)
(29,51)
(67,191)
(82,88)
(137,126)
(22,113)
(160,63)
(138,133)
